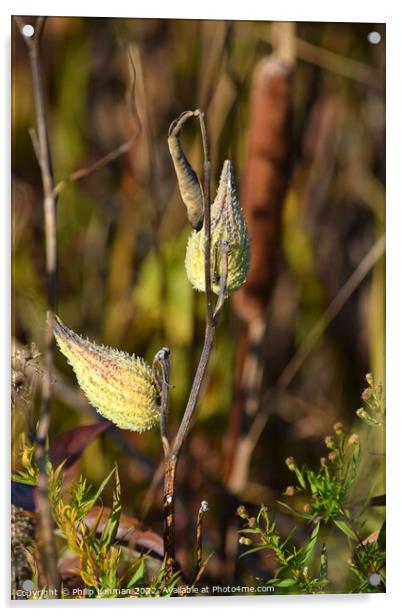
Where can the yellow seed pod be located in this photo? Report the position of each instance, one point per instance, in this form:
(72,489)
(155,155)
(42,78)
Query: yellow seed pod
(118,385)
(227,224)
(189,184)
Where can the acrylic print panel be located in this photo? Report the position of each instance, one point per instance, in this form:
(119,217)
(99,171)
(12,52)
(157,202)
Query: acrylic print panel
(198,301)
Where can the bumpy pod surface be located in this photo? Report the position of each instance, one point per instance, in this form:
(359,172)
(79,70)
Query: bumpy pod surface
(118,385)
(227,224)
(189,185)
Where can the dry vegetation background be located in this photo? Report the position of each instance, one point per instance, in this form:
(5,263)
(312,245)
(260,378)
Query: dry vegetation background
(305,131)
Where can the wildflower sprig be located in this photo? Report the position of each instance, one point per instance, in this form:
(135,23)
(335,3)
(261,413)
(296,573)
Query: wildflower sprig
(104,565)
(28,472)
(368,564)
(327,488)
(294,573)
(373,411)
(326,493)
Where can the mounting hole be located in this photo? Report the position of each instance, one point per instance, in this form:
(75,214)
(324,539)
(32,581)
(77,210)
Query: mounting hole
(28,30)
(374,579)
(27,585)
(374,38)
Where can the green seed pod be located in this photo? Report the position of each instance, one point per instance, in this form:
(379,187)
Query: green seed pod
(118,385)
(228,225)
(189,184)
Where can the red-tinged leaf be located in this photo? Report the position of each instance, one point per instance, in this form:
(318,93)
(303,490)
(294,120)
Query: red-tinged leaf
(71,445)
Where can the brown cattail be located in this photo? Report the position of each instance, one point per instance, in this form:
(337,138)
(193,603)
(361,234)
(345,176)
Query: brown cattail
(265,179)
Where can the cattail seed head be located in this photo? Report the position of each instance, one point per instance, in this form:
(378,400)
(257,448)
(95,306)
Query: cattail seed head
(227,225)
(118,385)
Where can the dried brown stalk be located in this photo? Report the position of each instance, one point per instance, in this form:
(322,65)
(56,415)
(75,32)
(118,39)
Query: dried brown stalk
(265,183)
(202,510)
(51,191)
(42,150)
(96,166)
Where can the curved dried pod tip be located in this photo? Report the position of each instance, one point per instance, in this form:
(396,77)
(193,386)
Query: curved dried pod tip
(189,183)
(227,225)
(120,386)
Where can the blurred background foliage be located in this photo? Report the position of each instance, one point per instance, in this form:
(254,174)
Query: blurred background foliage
(122,234)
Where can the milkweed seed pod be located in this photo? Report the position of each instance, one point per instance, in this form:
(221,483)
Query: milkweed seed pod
(118,385)
(189,184)
(227,225)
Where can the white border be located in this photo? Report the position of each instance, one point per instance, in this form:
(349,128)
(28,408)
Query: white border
(296,10)
(308,10)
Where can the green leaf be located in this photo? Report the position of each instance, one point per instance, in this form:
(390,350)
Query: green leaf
(381,537)
(21,477)
(87,506)
(112,523)
(309,548)
(138,575)
(324,563)
(345,528)
(301,514)
(94,526)
(300,477)
(250,531)
(258,548)
(285,583)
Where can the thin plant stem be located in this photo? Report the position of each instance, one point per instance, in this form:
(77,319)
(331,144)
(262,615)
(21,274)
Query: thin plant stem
(96,166)
(202,510)
(121,149)
(42,150)
(162,360)
(204,358)
(207,216)
(212,316)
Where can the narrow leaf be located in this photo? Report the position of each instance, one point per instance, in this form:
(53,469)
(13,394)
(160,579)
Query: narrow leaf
(285,583)
(345,528)
(309,548)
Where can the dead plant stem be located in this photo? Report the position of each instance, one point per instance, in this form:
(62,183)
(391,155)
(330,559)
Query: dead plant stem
(43,153)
